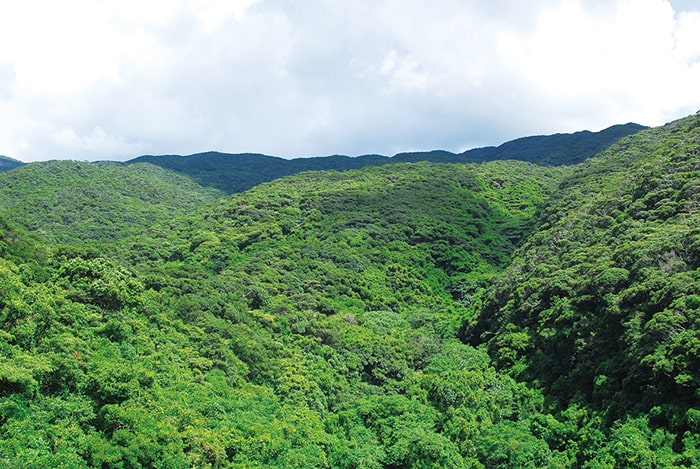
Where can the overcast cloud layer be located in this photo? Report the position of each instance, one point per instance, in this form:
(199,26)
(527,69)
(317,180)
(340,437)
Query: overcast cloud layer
(114,79)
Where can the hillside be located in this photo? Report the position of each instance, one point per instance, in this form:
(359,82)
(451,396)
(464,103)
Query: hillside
(552,150)
(78,201)
(439,225)
(602,304)
(7,164)
(234,173)
(310,322)
(557,149)
(497,315)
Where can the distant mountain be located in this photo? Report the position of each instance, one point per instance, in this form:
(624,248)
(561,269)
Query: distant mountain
(551,150)
(234,173)
(7,163)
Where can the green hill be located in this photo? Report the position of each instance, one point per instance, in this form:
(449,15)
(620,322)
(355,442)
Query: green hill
(77,201)
(309,322)
(551,150)
(501,314)
(7,164)
(602,304)
(441,224)
(234,173)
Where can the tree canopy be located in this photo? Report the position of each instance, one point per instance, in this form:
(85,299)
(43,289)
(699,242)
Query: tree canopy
(501,314)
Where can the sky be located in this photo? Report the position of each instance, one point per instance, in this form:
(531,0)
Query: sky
(115,79)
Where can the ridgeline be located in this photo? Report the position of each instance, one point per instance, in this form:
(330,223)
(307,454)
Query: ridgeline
(234,173)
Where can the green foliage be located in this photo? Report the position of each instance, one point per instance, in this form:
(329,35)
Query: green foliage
(601,304)
(69,201)
(98,282)
(314,321)
(367,241)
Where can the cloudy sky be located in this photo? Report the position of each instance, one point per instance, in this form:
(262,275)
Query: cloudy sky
(114,79)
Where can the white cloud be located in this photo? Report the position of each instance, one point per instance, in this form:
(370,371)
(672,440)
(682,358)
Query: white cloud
(213,13)
(112,79)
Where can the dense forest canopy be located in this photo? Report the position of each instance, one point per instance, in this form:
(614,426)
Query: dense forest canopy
(602,303)
(502,314)
(70,201)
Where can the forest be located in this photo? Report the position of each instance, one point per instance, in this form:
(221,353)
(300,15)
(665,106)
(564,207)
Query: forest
(232,173)
(418,314)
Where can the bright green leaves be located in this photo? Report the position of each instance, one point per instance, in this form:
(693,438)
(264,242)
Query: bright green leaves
(21,372)
(405,429)
(45,432)
(312,321)
(69,201)
(99,282)
(10,289)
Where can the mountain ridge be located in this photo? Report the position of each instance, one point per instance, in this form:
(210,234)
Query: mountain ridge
(7,163)
(237,172)
(603,300)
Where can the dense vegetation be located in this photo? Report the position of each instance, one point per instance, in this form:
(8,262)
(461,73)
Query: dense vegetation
(79,201)
(412,315)
(237,173)
(602,305)
(233,173)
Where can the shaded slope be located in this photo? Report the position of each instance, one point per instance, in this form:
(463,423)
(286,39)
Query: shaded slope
(305,323)
(441,226)
(233,173)
(78,201)
(558,149)
(7,164)
(602,304)
(238,172)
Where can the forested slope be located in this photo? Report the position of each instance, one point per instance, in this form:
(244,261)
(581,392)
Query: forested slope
(602,304)
(554,150)
(442,224)
(308,323)
(78,201)
(234,173)
(315,321)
